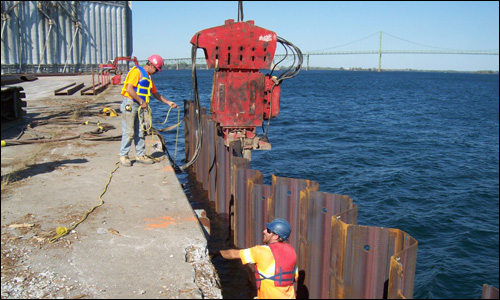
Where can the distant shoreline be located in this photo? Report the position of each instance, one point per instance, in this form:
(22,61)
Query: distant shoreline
(201,67)
(402,70)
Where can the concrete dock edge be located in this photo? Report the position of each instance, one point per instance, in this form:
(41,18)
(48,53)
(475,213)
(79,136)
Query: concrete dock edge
(144,241)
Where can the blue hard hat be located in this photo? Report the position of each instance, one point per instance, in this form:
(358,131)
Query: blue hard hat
(281,227)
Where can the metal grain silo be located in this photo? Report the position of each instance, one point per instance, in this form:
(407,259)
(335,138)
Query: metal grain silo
(63,36)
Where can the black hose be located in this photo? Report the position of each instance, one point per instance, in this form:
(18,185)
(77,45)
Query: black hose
(196,99)
(154,131)
(289,73)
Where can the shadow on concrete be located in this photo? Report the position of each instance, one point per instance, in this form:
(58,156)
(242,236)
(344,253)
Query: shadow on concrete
(82,110)
(13,129)
(35,169)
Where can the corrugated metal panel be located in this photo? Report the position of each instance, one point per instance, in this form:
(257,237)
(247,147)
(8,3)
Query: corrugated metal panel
(286,202)
(242,174)
(402,267)
(57,36)
(371,262)
(316,212)
(260,196)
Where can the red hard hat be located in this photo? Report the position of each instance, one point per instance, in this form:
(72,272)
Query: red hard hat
(156,60)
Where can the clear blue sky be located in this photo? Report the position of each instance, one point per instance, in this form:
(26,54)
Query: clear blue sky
(166,27)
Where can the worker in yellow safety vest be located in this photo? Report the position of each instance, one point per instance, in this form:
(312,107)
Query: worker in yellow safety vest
(275,262)
(137,89)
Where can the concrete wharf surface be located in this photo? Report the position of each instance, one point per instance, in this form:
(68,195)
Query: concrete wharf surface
(144,241)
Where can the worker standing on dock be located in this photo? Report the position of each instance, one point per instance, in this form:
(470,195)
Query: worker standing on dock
(275,262)
(137,88)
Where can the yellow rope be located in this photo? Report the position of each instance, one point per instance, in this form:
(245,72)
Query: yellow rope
(62,231)
(166,118)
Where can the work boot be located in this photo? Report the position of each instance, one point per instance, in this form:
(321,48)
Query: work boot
(144,160)
(125,161)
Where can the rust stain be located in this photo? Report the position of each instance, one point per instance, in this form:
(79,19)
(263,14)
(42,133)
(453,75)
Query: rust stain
(164,222)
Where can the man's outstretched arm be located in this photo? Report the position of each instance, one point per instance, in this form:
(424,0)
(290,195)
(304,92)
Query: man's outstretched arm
(230,254)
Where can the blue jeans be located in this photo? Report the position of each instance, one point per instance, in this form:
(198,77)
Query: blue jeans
(131,129)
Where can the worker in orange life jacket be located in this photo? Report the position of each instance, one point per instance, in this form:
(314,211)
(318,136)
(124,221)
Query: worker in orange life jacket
(275,262)
(137,88)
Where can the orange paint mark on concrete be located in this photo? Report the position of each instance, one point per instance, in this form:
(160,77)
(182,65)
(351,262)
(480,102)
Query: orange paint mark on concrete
(164,222)
(167,168)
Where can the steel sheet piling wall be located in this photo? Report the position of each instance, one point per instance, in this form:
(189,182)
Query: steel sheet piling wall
(489,292)
(223,181)
(259,195)
(205,160)
(211,134)
(360,262)
(402,267)
(189,129)
(286,202)
(336,257)
(198,164)
(242,174)
(316,212)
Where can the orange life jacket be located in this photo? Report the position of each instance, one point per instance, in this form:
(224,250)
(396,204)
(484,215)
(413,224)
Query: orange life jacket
(285,260)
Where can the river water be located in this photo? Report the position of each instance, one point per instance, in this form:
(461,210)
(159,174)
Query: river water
(417,151)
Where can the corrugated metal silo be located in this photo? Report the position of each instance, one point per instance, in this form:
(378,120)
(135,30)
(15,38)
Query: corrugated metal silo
(63,36)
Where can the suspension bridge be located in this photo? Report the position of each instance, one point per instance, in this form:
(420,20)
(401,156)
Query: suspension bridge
(183,62)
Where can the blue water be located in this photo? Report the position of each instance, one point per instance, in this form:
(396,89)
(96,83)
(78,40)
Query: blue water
(417,151)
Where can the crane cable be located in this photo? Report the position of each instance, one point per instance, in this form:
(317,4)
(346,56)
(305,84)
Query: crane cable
(240,11)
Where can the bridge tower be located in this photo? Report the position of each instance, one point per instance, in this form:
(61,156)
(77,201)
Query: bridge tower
(380,53)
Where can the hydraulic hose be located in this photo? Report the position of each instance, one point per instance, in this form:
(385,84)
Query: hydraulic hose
(196,99)
(289,73)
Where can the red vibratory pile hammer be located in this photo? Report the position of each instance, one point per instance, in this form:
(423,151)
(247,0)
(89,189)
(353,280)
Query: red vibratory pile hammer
(242,97)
